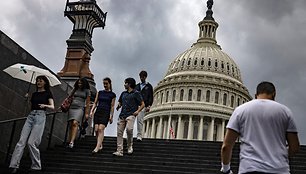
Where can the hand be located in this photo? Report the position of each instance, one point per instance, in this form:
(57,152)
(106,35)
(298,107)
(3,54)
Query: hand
(42,105)
(147,109)
(86,116)
(135,113)
(111,120)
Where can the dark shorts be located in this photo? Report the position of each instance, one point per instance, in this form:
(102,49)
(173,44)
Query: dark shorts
(101,117)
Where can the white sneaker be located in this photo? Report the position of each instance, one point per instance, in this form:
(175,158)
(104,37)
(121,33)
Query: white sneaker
(130,150)
(117,153)
(70,145)
(139,139)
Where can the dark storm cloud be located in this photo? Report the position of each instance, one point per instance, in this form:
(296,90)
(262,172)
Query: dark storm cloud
(138,36)
(266,39)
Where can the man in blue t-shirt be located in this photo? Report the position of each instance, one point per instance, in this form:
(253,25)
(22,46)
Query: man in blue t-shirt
(131,103)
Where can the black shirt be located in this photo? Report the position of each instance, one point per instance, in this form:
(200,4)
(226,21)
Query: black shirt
(40,98)
(146,93)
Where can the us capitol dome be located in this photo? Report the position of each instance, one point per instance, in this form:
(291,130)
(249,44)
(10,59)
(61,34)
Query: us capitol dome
(200,90)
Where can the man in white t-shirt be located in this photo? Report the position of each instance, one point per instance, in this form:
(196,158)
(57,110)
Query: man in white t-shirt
(267,132)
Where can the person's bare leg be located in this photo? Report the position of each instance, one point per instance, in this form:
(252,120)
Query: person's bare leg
(73,130)
(100,137)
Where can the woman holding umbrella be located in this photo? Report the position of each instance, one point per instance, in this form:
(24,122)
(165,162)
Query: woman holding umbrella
(34,125)
(81,99)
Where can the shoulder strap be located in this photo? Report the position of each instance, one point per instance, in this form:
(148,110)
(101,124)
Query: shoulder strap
(72,92)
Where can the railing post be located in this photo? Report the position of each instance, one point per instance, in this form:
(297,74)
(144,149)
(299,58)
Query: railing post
(66,133)
(51,130)
(11,141)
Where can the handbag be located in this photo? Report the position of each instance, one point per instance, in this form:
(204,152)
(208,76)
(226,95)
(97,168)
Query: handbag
(67,102)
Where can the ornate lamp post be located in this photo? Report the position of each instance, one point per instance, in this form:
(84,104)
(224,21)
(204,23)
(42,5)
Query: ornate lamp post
(85,15)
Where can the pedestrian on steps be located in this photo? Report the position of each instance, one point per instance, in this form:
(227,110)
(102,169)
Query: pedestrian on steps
(34,125)
(102,112)
(267,132)
(131,103)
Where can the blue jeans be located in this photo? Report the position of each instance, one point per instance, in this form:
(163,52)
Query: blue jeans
(32,131)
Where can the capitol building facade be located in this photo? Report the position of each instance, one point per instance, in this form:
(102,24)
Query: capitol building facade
(199,92)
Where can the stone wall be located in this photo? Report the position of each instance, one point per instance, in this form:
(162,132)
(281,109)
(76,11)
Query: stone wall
(13,103)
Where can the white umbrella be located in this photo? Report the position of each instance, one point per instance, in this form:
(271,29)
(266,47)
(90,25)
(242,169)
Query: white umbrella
(29,73)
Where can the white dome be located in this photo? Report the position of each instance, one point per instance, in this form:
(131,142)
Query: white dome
(199,91)
(203,58)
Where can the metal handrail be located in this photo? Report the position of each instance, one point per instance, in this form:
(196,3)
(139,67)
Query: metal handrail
(24,118)
(11,120)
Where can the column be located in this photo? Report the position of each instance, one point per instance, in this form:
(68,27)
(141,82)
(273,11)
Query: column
(179,127)
(190,128)
(211,130)
(222,129)
(165,132)
(153,129)
(160,124)
(147,128)
(200,131)
(168,128)
(219,132)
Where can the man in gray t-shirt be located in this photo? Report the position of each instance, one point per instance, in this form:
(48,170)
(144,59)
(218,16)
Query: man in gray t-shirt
(264,127)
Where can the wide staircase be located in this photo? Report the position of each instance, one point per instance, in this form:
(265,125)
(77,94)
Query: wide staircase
(151,156)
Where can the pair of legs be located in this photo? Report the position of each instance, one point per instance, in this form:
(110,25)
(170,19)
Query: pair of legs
(31,134)
(140,117)
(74,125)
(75,116)
(99,130)
(128,124)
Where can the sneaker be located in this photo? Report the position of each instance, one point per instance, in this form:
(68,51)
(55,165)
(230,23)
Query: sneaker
(130,150)
(13,170)
(139,139)
(38,171)
(70,145)
(117,153)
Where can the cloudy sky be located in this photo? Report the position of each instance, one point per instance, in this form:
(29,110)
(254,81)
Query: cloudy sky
(267,40)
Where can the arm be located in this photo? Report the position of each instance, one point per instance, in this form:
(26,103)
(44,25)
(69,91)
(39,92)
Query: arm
(150,98)
(227,147)
(293,143)
(119,102)
(94,105)
(112,111)
(142,105)
(118,106)
(50,105)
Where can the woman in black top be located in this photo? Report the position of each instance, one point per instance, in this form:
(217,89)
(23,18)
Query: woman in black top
(33,128)
(104,102)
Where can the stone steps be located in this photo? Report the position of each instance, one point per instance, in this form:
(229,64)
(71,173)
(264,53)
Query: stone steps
(150,156)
